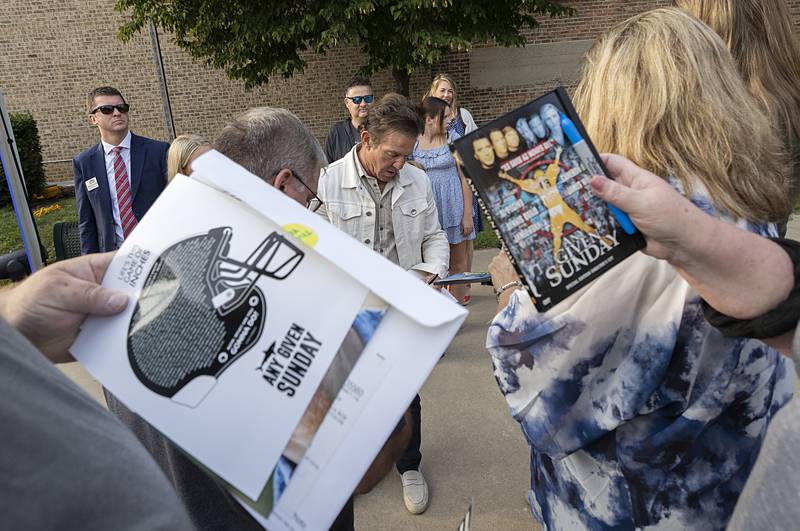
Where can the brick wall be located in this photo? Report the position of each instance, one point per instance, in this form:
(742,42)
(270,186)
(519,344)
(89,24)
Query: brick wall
(593,17)
(54,52)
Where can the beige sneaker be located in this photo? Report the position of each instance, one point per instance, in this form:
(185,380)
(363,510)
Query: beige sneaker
(415,492)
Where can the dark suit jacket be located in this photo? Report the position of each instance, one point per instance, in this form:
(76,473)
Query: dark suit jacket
(148,178)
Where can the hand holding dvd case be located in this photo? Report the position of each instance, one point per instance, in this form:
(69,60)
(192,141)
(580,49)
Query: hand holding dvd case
(531,169)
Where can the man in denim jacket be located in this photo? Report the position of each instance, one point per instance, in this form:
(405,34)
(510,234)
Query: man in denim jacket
(375,197)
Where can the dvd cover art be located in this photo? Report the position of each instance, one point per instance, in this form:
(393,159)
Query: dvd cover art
(532,170)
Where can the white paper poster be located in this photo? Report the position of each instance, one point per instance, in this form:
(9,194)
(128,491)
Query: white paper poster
(275,350)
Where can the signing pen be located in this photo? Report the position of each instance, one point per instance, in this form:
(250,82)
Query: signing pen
(586,155)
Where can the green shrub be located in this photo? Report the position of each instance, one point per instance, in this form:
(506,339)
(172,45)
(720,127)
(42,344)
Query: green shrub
(486,239)
(26,135)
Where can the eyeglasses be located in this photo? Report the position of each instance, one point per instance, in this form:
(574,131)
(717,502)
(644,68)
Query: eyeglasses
(108,109)
(314,203)
(358,99)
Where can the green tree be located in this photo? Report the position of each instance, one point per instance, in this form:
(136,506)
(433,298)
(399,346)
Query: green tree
(255,39)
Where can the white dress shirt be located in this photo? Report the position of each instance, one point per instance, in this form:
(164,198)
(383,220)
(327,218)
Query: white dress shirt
(125,153)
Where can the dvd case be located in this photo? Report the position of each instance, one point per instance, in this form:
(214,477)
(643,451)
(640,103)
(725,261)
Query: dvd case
(531,170)
(464,278)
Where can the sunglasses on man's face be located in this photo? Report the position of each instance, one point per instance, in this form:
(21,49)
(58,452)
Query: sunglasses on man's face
(358,99)
(108,109)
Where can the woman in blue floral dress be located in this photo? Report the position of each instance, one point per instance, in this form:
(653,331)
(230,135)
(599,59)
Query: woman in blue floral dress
(638,412)
(450,190)
(459,122)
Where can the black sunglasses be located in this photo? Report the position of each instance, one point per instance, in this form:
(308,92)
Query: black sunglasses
(108,109)
(358,99)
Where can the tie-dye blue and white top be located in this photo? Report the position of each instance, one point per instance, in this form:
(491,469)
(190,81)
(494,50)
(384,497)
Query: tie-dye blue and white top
(638,412)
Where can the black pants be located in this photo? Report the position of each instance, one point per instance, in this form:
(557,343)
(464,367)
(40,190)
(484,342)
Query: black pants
(346,519)
(412,457)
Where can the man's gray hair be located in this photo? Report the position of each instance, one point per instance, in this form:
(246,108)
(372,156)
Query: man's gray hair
(266,139)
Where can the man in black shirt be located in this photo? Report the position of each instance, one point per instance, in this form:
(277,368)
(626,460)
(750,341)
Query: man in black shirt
(344,135)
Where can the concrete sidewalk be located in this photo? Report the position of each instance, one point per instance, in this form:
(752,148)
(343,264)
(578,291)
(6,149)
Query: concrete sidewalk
(471,447)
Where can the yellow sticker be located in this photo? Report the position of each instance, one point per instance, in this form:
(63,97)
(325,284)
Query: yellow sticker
(302,233)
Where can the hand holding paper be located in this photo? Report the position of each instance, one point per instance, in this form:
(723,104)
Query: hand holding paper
(50,306)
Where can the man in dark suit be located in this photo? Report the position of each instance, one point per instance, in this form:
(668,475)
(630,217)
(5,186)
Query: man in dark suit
(117,180)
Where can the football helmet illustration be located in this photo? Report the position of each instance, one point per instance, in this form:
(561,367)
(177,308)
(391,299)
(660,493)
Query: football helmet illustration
(200,310)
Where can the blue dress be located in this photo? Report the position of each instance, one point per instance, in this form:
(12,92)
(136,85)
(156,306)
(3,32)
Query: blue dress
(455,130)
(637,411)
(441,168)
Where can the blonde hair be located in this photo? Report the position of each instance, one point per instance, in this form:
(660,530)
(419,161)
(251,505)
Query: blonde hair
(435,85)
(181,151)
(761,39)
(662,90)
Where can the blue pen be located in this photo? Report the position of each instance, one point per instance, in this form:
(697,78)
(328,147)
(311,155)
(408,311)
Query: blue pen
(586,155)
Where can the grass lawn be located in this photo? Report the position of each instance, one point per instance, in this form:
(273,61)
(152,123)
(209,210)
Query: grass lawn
(10,238)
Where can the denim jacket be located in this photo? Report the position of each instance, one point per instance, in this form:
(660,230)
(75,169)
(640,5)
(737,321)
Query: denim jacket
(421,242)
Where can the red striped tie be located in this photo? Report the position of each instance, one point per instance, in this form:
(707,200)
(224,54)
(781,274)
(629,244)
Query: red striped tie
(123,185)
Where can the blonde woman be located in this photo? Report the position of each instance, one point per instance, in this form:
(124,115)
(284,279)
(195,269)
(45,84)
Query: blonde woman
(450,189)
(182,152)
(639,413)
(763,43)
(459,123)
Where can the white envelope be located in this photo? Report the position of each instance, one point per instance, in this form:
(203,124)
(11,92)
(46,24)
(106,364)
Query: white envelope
(233,425)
